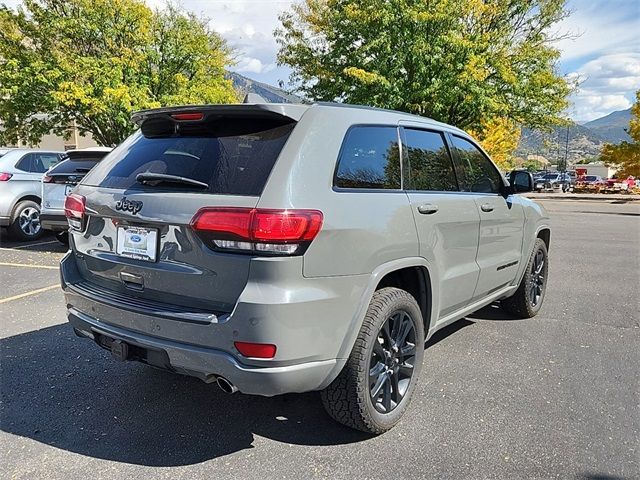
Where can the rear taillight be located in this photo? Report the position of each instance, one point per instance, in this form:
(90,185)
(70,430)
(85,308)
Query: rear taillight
(258,230)
(74,210)
(5,176)
(47,179)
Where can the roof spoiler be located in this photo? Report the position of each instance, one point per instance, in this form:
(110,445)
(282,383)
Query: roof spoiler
(266,110)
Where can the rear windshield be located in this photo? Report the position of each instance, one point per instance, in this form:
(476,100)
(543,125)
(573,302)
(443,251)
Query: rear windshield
(75,166)
(236,161)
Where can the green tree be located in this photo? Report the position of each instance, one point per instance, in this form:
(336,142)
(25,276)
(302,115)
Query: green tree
(463,62)
(93,62)
(626,155)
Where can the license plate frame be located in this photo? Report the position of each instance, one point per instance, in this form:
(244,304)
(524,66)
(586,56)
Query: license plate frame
(140,243)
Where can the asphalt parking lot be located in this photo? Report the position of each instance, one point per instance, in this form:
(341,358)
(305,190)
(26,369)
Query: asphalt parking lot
(557,396)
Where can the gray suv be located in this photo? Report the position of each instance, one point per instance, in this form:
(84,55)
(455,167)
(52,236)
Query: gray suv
(290,248)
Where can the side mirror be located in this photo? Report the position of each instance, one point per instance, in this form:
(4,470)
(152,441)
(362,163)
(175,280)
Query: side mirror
(521,181)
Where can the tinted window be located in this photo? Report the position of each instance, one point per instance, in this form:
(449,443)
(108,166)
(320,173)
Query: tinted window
(369,159)
(67,167)
(236,161)
(25,163)
(43,161)
(430,165)
(477,173)
(77,162)
(38,162)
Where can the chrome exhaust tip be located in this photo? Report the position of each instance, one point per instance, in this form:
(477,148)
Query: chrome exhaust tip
(226,386)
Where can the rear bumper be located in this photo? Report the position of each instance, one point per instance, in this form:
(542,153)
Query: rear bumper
(5,221)
(54,222)
(208,364)
(309,326)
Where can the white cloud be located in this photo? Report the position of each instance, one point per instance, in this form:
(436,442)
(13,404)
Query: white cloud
(607,84)
(253,65)
(248,27)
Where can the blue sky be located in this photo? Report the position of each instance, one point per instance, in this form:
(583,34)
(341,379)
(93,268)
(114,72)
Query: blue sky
(604,56)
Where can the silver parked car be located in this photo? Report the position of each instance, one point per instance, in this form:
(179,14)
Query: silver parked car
(60,180)
(20,173)
(290,248)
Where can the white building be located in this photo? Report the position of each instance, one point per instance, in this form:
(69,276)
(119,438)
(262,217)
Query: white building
(58,142)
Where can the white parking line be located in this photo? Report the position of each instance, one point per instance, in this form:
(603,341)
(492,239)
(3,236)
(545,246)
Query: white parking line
(48,267)
(31,245)
(32,292)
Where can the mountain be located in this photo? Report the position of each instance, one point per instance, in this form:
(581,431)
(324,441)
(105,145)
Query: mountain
(585,141)
(270,93)
(612,127)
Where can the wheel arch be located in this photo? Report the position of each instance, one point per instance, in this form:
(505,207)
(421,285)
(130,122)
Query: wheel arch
(30,197)
(544,233)
(416,274)
(415,280)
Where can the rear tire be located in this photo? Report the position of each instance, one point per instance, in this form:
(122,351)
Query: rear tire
(527,300)
(375,387)
(26,221)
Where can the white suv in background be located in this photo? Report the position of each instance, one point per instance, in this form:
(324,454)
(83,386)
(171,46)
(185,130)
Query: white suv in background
(20,173)
(59,181)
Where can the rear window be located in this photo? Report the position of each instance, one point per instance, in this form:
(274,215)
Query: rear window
(236,161)
(38,162)
(369,159)
(67,167)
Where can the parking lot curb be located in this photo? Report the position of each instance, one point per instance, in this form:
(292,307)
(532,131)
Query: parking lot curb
(593,198)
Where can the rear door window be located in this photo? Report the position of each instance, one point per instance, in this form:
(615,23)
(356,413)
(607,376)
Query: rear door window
(430,165)
(476,172)
(44,161)
(235,159)
(38,162)
(369,158)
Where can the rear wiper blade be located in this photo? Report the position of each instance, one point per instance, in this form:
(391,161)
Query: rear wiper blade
(154,179)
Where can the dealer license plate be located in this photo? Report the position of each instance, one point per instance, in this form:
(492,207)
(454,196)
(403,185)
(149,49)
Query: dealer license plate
(137,242)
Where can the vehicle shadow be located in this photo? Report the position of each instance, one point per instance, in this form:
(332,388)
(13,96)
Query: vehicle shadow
(447,331)
(63,391)
(46,243)
(492,312)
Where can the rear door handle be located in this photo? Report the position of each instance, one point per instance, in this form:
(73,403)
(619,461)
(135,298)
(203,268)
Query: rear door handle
(486,207)
(427,209)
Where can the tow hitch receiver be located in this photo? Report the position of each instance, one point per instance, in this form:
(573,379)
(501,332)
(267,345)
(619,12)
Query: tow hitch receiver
(119,350)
